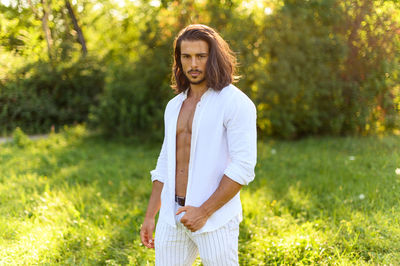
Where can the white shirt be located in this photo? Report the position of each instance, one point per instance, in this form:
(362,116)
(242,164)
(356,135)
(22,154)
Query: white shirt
(223,141)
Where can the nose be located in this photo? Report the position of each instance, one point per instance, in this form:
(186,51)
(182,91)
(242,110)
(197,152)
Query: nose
(194,62)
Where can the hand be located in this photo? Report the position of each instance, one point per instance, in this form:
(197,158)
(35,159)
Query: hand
(146,232)
(194,218)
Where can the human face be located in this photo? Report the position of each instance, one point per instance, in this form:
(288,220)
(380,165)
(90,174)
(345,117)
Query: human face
(194,55)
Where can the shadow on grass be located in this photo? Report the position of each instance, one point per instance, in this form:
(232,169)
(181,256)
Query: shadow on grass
(338,184)
(304,205)
(103,188)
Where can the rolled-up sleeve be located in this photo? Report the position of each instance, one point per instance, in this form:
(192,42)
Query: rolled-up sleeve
(240,120)
(160,172)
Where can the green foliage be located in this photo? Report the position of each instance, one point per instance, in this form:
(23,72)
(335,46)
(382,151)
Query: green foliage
(134,99)
(318,67)
(20,139)
(304,83)
(41,96)
(296,90)
(137,88)
(80,199)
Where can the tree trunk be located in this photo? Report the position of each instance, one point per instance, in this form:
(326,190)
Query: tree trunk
(47,32)
(45,26)
(78,30)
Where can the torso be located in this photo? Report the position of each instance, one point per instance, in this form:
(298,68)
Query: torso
(183,143)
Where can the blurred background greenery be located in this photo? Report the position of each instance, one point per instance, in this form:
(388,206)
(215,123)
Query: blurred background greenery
(315,67)
(312,67)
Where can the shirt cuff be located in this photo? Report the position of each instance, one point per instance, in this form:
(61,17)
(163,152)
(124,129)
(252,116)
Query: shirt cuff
(156,176)
(238,175)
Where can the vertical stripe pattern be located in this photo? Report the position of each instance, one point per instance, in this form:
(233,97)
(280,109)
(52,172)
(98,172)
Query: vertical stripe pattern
(173,246)
(219,247)
(178,246)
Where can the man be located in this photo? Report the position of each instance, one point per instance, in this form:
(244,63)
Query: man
(208,154)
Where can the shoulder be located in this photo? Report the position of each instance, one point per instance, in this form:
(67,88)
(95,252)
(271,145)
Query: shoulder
(238,107)
(234,97)
(174,101)
(175,98)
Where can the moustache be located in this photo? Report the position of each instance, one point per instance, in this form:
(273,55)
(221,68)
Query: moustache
(195,71)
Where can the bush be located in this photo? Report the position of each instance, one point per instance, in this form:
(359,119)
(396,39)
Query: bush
(136,91)
(40,96)
(317,67)
(310,79)
(20,139)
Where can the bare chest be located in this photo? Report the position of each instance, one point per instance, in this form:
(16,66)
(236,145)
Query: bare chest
(185,118)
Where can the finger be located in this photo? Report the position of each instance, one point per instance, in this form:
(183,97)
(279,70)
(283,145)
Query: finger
(183,221)
(193,228)
(143,237)
(146,240)
(190,228)
(150,243)
(181,209)
(151,240)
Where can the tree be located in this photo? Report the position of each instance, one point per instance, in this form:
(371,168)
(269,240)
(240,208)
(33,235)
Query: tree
(43,16)
(78,29)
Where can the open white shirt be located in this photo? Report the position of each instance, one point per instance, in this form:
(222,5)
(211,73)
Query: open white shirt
(223,142)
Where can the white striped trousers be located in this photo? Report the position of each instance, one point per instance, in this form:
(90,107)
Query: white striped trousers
(179,246)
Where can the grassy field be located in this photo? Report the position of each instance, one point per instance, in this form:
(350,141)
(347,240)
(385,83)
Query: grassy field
(79,199)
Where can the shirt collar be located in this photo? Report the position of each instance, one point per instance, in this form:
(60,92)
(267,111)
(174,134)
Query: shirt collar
(184,94)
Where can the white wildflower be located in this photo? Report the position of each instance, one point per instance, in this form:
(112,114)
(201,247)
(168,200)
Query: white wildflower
(273,151)
(361,197)
(397,171)
(352,158)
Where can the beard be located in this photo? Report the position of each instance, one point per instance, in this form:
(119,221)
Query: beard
(197,82)
(194,82)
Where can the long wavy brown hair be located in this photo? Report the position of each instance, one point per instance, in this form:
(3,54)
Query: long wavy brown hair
(221,63)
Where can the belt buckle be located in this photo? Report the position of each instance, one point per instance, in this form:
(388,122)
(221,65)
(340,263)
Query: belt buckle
(180,200)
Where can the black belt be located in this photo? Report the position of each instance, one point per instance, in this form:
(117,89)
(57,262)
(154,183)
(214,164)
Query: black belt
(180,200)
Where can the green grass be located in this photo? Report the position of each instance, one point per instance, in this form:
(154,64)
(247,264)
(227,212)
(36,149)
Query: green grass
(79,199)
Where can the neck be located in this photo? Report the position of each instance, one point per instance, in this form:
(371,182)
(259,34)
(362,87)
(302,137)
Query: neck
(197,90)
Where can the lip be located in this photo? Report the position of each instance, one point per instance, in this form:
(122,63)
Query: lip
(194,73)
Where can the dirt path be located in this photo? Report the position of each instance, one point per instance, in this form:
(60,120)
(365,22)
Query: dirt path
(33,137)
